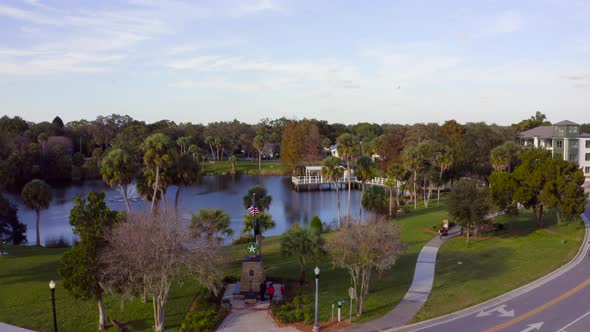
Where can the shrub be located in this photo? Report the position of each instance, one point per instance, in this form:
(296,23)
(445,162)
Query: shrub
(295,311)
(205,314)
(316,224)
(244,239)
(57,242)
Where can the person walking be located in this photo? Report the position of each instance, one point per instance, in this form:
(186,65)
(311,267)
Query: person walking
(270,291)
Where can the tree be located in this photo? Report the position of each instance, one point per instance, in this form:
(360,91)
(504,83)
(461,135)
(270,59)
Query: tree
(233,160)
(91,220)
(150,253)
(183,142)
(58,122)
(504,156)
(332,171)
(157,157)
(258,143)
(42,138)
(264,220)
(304,244)
(502,188)
(539,119)
(315,224)
(364,170)
(262,198)
(395,174)
(212,223)
(564,191)
(348,149)
(11,229)
(119,169)
(363,249)
(375,199)
(441,160)
(467,204)
(413,164)
(185,172)
(36,195)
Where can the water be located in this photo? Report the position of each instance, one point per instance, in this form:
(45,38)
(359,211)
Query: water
(288,206)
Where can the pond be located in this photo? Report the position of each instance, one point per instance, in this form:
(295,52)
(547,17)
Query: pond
(288,206)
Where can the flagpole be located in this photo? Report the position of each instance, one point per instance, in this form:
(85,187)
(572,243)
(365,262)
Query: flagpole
(257,236)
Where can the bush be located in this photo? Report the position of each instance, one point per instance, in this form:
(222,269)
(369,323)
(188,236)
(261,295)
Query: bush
(205,313)
(316,224)
(296,311)
(244,239)
(57,242)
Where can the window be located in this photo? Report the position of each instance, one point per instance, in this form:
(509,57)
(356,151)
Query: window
(574,144)
(587,169)
(587,157)
(559,143)
(574,157)
(588,144)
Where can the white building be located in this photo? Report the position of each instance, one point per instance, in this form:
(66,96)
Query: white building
(565,140)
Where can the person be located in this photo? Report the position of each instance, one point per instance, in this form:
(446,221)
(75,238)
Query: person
(440,233)
(270,291)
(262,290)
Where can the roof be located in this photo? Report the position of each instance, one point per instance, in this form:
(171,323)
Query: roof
(313,168)
(583,134)
(566,123)
(541,131)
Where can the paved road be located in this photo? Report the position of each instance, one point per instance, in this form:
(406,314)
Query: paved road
(559,302)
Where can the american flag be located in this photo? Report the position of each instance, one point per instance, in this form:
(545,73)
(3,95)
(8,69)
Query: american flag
(253,209)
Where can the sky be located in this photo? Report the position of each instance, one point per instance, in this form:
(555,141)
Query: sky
(342,61)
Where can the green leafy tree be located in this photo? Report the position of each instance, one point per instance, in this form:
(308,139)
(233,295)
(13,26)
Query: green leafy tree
(36,195)
(213,223)
(395,175)
(157,157)
(91,219)
(264,220)
(364,170)
(119,169)
(504,156)
(348,149)
(564,191)
(467,204)
(304,244)
(11,229)
(413,163)
(262,198)
(375,199)
(186,171)
(333,172)
(183,142)
(258,143)
(58,122)
(315,225)
(502,188)
(442,159)
(233,160)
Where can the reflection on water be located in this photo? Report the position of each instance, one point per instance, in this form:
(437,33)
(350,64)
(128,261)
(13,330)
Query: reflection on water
(225,192)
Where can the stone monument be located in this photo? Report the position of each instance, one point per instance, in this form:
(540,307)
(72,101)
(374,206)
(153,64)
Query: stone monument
(252,268)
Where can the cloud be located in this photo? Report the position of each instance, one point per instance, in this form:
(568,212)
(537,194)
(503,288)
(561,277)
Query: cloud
(507,22)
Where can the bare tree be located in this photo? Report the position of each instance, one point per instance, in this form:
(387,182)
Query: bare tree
(364,248)
(150,252)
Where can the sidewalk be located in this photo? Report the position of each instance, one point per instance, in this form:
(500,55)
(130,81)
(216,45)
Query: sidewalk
(416,295)
(11,328)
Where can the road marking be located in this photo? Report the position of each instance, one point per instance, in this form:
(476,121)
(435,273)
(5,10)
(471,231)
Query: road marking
(574,322)
(536,326)
(541,308)
(500,309)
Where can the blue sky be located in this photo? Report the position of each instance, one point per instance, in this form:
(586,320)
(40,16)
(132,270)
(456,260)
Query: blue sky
(341,61)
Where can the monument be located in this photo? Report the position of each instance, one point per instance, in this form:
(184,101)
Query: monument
(252,268)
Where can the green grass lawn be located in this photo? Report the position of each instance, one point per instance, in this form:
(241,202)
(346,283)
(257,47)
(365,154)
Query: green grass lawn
(384,293)
(25,299)
(245,167)
(499,264)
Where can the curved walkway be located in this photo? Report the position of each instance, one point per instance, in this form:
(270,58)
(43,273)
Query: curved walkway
(416,295)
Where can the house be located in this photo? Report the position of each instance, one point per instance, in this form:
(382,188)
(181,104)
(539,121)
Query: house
(565,141)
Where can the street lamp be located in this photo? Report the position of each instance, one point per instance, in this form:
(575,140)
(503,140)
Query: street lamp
(316,326)
(52,287)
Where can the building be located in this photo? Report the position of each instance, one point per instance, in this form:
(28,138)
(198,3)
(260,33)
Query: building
(564,139)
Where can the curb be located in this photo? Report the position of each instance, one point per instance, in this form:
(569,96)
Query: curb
(510,295)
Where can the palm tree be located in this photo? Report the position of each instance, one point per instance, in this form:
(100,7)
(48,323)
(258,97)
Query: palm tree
(395,173)
(332,171)
(183,142)
(262,198)
(212,223)
(413,162)
(232,160)
(119,169)
(157,156)
(443,158)
(186,172)
(259,145)
(502,156)
(304,244)
(364,170)
(36,195)
(348,148)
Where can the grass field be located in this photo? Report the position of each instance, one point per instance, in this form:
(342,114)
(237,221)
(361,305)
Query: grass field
(245,167)
(25,299)
(384,293)
(496,265)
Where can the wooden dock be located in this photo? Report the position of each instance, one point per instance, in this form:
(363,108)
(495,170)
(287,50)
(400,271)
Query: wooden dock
(318,182)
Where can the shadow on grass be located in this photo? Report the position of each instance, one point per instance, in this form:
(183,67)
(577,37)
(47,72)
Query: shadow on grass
(40,272)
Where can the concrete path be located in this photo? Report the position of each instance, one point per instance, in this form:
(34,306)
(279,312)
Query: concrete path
(11,328)
(251,321)
(416,295)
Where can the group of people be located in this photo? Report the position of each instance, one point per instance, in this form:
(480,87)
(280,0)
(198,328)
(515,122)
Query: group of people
(444,229)
(270,290)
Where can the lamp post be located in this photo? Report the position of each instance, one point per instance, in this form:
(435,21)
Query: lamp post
(316,326)
(52,287)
